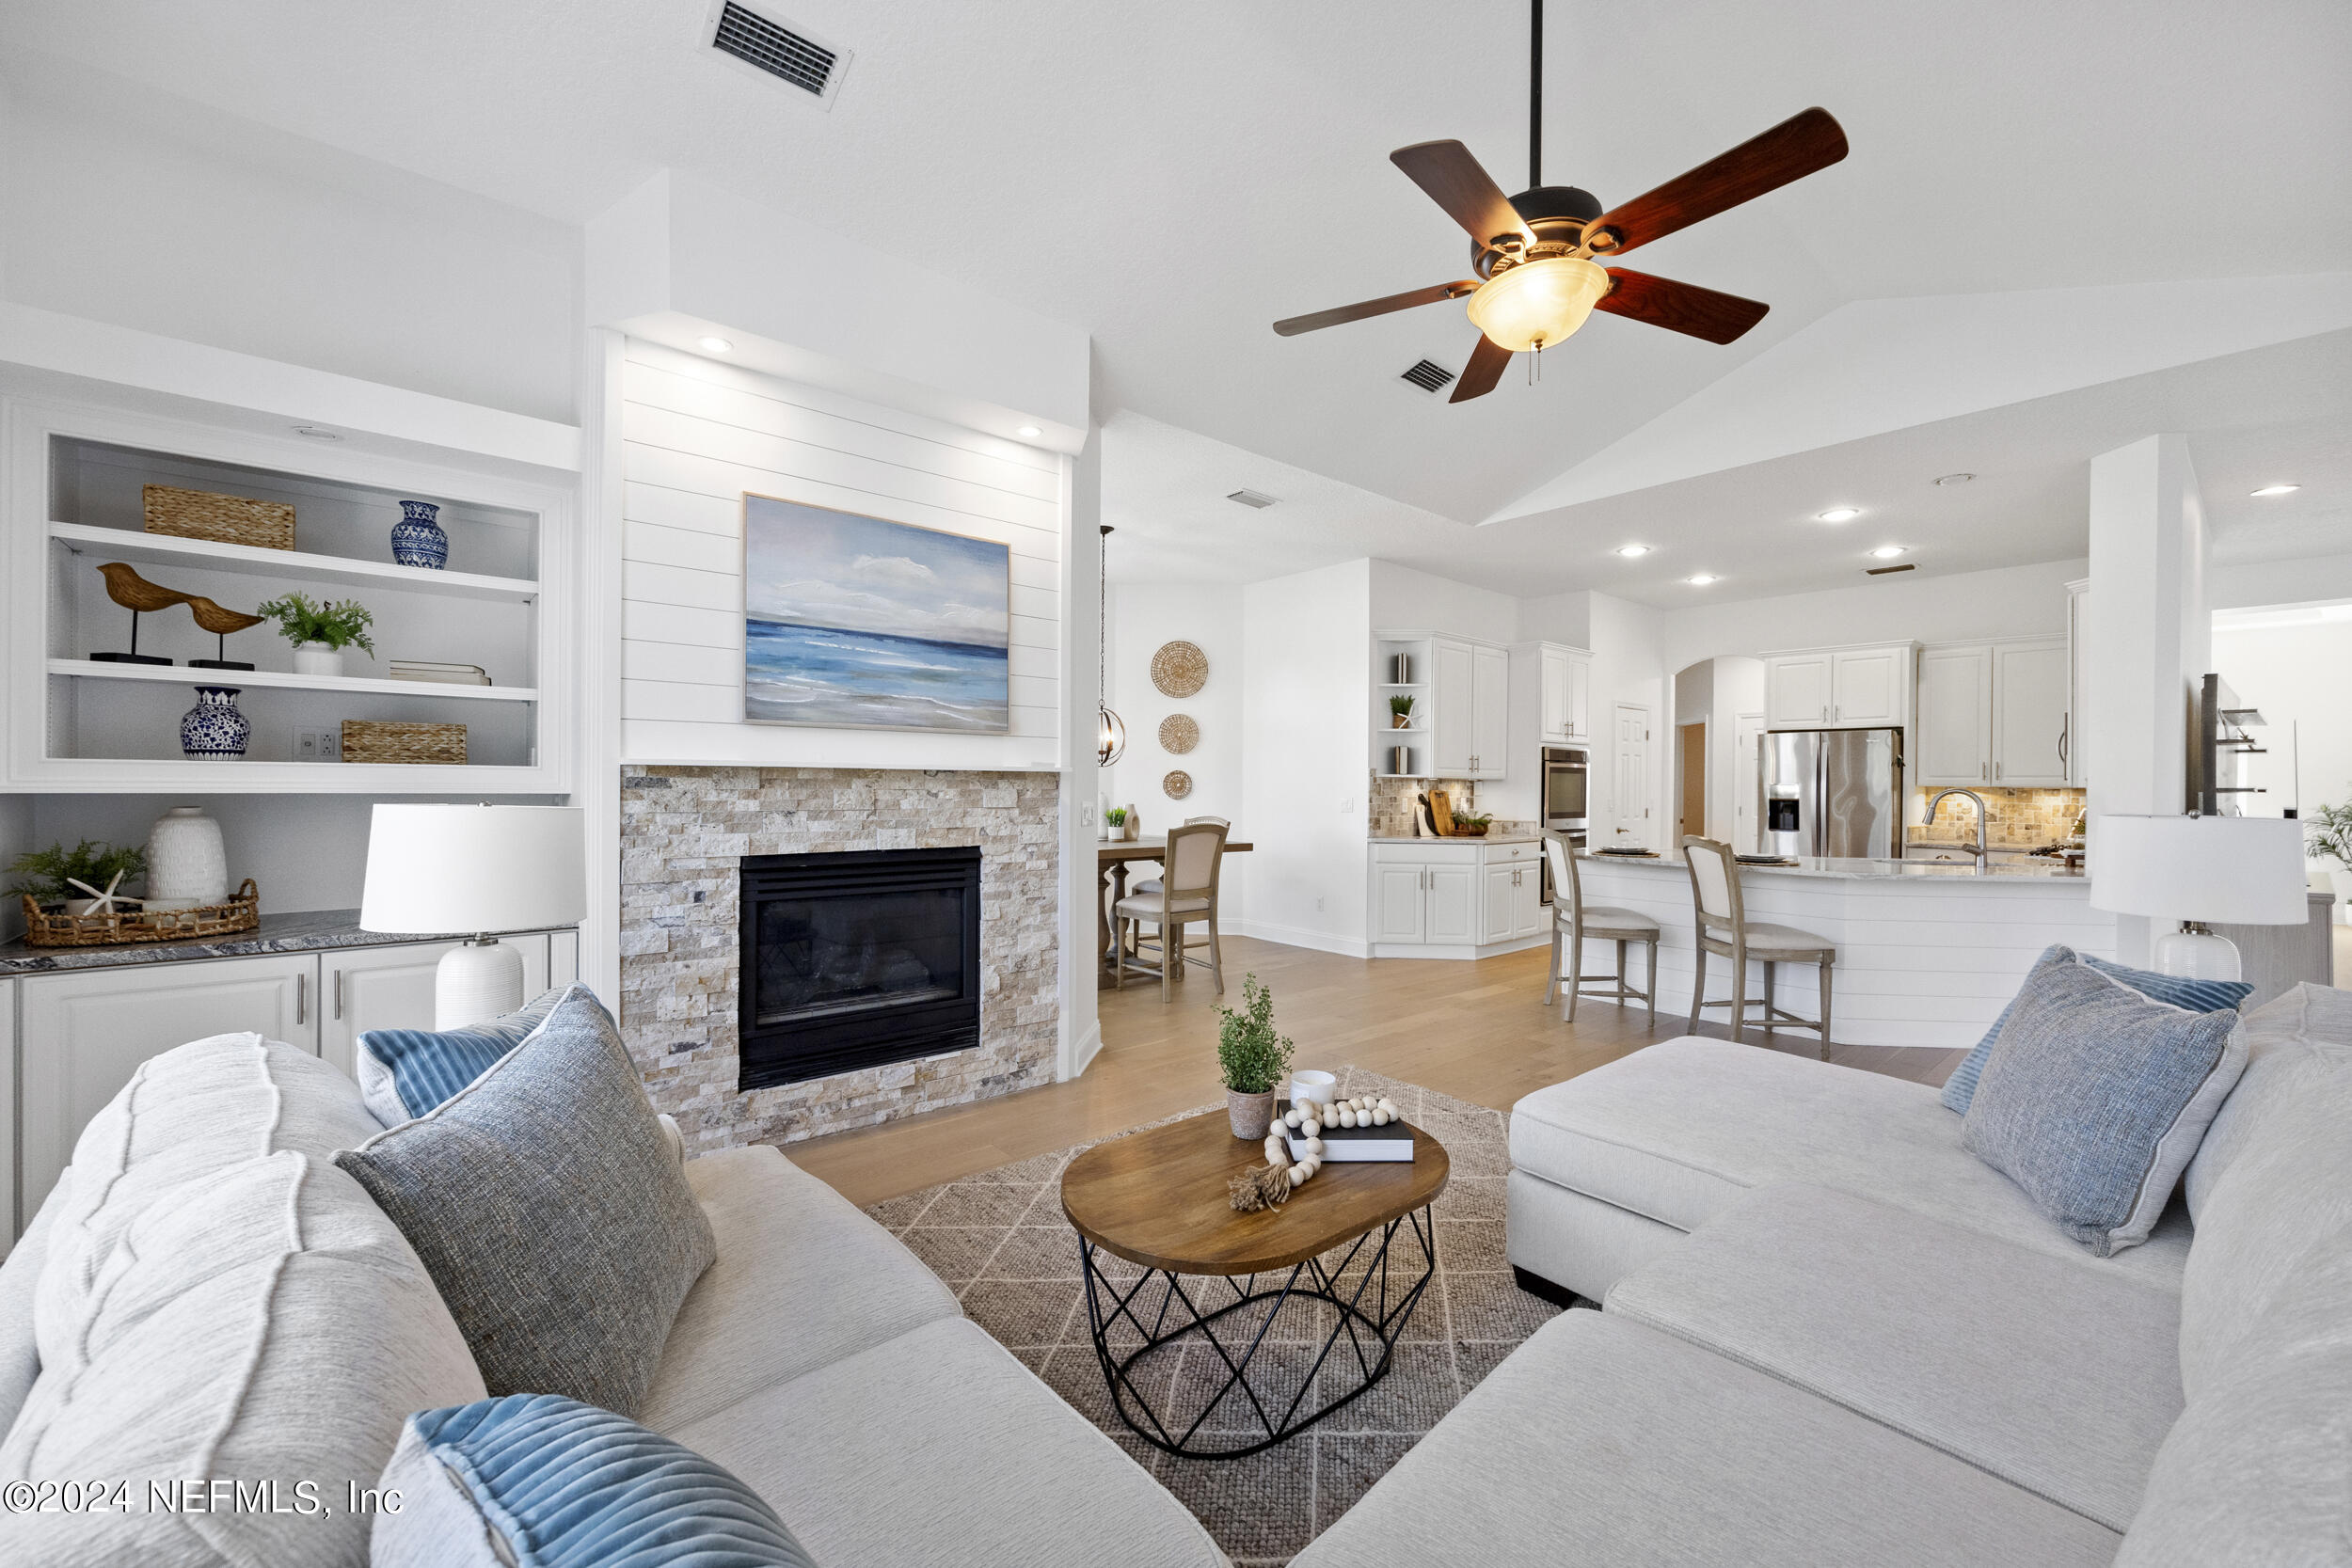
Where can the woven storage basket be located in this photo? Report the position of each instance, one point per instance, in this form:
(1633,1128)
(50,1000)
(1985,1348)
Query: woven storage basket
(222,519)
(397,740)
(56,928)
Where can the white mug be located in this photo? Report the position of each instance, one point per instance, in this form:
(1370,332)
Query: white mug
(1307,1084)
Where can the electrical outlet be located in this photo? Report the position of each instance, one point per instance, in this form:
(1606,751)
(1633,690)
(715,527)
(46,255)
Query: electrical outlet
(318,746)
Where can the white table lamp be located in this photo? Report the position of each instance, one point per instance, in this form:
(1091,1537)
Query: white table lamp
(455,870)
(2199,871)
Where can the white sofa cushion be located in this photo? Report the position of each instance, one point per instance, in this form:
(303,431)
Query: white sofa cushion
(802,1278)
(265,1325)
(2057,1377)
(1603,1441)
(20,1273)
(1678,1131)
(938,1449)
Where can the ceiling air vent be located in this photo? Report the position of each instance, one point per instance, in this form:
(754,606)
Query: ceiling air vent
(1882,571)
(1429,377)
(757,40)
(1251,499)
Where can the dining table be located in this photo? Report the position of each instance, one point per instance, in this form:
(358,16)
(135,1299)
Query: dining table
(1114,856)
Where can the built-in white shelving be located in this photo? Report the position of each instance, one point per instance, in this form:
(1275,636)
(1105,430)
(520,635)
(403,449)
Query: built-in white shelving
(157,548)
(177,675)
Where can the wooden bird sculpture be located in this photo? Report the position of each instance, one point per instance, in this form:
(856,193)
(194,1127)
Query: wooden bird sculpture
(137,595)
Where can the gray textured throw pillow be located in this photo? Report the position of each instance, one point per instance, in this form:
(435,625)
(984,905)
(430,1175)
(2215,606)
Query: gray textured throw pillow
(2095,1097)
(550,1212)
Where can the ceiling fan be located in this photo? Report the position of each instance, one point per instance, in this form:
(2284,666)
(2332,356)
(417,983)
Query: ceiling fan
(1536,281)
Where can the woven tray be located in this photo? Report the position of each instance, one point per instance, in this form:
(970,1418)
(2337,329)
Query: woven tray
(222,519)
(57,928)
(398,741)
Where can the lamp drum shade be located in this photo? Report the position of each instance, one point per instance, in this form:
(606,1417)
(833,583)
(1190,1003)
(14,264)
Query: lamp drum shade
(2213,870)
(458,869)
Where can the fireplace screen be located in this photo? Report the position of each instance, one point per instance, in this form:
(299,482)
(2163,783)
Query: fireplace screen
(857,959)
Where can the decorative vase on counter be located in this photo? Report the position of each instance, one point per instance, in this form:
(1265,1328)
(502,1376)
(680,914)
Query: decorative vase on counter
(215,730)
(318,658)
(418,539)
(186,865)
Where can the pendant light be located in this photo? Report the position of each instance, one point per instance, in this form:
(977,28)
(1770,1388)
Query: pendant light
(1110,734)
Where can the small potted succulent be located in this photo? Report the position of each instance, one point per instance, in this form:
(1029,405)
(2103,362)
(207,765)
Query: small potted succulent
(81,878)
(1401,712)
(1254,1059)
(321,632)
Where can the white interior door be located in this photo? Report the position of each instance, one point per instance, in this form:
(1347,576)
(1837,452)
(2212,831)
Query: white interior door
(1745,838)
(1629,773)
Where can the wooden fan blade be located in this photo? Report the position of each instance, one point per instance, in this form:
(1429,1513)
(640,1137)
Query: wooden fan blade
(1719,318)
(1484,370)
(1453,179)
(1795,147)
(1294,325)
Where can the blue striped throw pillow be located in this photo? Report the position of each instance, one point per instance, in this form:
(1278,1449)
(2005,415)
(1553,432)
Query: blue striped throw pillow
(407,1072)
(2197,996)
(548,1482)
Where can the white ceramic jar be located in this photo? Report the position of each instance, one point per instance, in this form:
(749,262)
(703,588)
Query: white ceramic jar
(186,863)
(317,658)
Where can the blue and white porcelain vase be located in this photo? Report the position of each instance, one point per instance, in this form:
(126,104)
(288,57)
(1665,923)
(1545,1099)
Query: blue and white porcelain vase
(418,539)
(215,730)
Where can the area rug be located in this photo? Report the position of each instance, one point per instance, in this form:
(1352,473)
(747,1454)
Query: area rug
(1000,1242)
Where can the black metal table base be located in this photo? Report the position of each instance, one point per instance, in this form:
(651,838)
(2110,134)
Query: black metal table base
(1160,1311)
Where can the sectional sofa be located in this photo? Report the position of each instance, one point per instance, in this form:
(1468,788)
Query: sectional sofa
(1831,1336)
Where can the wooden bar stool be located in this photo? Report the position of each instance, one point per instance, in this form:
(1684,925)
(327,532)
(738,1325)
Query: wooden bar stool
(1724,928)
(1574,925)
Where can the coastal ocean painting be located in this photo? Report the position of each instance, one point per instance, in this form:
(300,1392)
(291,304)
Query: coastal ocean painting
(857,622)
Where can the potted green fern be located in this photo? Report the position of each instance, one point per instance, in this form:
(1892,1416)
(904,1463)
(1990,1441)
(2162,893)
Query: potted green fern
(1254,1059)
(321,632)
(59,875)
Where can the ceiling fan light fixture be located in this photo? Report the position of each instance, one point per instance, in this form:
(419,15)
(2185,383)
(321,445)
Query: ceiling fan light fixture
(1539,303)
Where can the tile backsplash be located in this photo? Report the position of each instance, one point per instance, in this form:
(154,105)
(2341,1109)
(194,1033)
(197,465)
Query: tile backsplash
(2029,817)
(1393,801)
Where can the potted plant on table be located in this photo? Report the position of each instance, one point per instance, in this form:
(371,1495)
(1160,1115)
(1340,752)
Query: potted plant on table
(82,878)
(2328,835)
(1254,1059)
(321,632)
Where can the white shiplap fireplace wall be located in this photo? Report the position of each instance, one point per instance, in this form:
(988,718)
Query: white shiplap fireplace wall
(696,435)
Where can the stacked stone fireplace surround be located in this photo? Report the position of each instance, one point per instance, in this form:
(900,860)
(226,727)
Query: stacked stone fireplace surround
(683,833)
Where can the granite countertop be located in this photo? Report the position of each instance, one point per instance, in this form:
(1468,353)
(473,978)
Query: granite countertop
(1877,870)
(306,932)
(1488,838)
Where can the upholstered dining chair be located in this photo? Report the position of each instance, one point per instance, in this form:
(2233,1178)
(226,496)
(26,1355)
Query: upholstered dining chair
(1195,854)
(1152,884)
(1573,925)
(1724,928)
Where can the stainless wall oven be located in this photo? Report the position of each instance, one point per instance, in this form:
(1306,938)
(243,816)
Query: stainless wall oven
(1567,773)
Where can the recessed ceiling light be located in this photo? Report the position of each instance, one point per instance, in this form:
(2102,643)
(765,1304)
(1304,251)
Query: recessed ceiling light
(1629,551)
(317,432)
(2277,489)
(1953,479)
(1702,579)
(1028,432)
(1839,514)
(1887,552)
(715,345)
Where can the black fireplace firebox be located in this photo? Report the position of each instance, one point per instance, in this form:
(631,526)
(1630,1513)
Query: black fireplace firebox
(855,959)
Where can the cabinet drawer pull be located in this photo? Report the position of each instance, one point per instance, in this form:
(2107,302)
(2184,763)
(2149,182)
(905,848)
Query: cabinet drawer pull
(302,998)
(338,993)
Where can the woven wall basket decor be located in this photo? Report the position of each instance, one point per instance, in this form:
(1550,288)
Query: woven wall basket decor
(1180,669)
(1177,784)
(1179,733)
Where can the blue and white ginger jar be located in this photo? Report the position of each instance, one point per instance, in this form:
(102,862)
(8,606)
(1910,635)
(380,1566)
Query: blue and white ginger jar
(215,729)
(418,539)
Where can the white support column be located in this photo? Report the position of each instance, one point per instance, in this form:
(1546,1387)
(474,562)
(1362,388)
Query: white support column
(1081,774)
(2149,637)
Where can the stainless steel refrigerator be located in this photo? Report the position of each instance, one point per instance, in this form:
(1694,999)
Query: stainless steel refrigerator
(1831,792)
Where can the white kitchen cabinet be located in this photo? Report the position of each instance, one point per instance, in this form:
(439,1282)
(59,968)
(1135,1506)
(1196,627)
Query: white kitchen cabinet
(1955,730)
(84,1033)
(1796,690)
(1834,688)
(1552,695)
(2078,694)
(1452,701)
(1513,905)
(1441,898)
(1400,896)
(1451,915)
(391,987)
(2030,719)
(1490,710)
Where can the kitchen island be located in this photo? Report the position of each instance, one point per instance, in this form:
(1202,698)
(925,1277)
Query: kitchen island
(1929,951)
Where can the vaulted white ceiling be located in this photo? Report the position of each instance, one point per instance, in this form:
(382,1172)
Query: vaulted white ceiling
(1174,177)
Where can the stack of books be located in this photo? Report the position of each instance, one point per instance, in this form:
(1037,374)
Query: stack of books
(446,674)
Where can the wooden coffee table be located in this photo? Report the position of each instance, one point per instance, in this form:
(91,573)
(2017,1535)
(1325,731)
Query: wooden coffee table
(1218,1281)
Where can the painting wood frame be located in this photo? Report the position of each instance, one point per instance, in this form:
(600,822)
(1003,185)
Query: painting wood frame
(886,674)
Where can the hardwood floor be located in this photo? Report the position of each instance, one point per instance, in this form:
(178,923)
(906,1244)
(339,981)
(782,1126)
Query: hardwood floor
(1478,1031)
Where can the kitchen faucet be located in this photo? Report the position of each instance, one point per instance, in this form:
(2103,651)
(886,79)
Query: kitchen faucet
(1977,848)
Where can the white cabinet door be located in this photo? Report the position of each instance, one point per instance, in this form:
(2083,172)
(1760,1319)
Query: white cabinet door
(1580,698)
(1796,691)
(9,1216)
(1558,722)
(2030,717)
(1867,686)
(1490,712)
(1451,915)
(1399,894)
(86,1032)
(1453,697)
(2077,696)
(1527,895)
(1955,727)
(378,987)
(1499,911)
